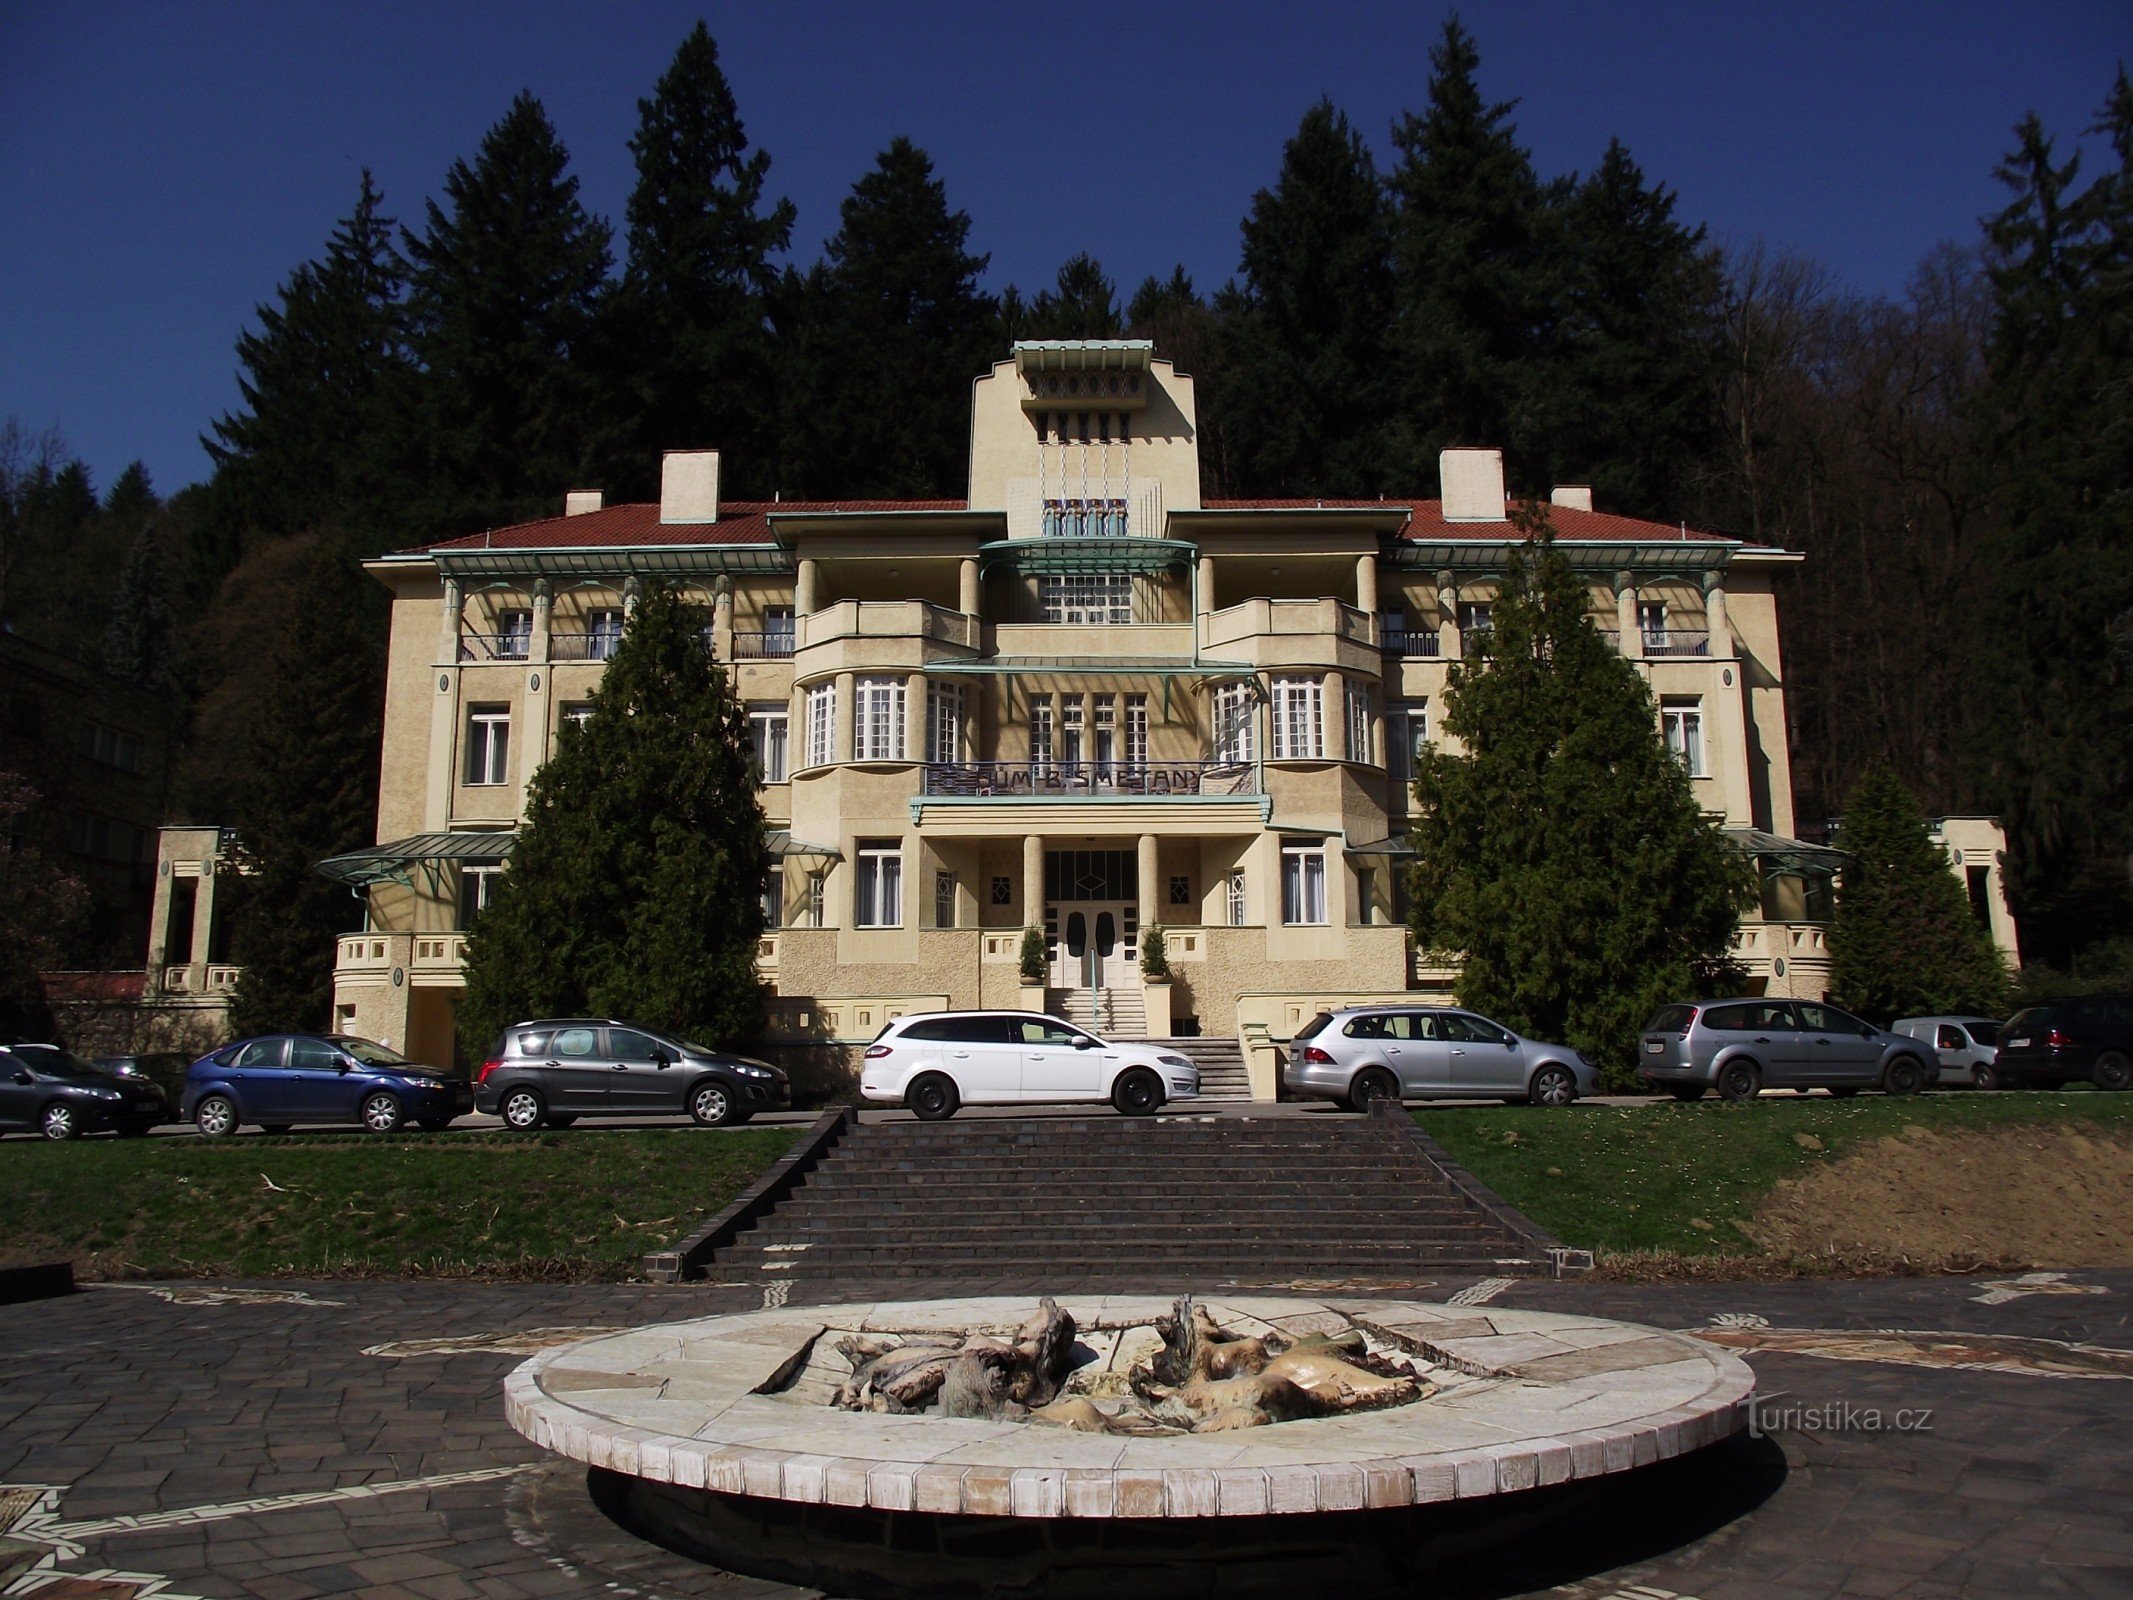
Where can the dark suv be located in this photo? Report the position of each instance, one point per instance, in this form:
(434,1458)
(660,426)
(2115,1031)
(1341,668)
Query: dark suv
(2045,1046)
(552,1073)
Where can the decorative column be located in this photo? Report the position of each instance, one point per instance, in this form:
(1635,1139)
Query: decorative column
(1148,879)
(448,626)
(1333,715)
(1626,614)
(1366,590)
(539,735)
(916,711)
(1033,880)
(1714,612)
(632,590)
(841,746)
(1448,642)
(803,593)
(966,588)
(1207,585)
(543,618)
(722,617)
(443,764)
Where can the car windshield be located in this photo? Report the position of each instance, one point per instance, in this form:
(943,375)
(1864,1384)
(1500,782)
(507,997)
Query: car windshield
(57,1063)
(1984,1033)
(373,1055)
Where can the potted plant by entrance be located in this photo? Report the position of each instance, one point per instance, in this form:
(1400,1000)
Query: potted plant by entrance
(1033,969)
(1155,981)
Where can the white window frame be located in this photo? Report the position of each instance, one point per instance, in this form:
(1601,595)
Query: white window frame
(1040,730)
(603,633)
(1681,724)
(578,712)
(944,722)
(1357,694)
(821,724)
(878,719)
(1299,721)
(1476,616)
(1303,883)
(477,888)
(1073,731)
(1086,599)
(1651,623)
(1136,730)
(878,883)
(514,635)
(770,726)
(488,746)
(1406,736)
(774,898)
(1103,735)
(1235,722)
(943,899)
(1233,894)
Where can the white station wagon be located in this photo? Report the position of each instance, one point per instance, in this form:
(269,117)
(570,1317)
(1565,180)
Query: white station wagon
(935,1061)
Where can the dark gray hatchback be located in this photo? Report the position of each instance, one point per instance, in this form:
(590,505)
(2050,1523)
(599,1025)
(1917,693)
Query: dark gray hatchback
(551,1073)
(1741,1047)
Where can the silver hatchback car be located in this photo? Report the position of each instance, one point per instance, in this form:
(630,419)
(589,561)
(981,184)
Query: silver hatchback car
(1361,1054)
(1742,1047)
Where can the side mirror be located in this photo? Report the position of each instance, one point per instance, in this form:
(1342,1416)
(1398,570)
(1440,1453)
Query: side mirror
(661,1058)
(1510,1044)
(1083,1042)
(23,1077)
(344,1064)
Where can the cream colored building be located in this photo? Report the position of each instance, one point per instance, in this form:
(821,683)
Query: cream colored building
(1083,698)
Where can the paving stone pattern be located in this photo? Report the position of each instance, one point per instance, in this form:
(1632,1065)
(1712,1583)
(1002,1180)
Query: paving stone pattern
(129,1403)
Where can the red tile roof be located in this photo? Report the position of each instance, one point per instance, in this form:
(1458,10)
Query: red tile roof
(1428,520)
(739,522)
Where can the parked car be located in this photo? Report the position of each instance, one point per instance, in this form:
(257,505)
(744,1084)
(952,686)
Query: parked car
(277,1080)
(549,1074)
(1360,1054)
(47,1090)
(1742,1047)
(1967,1048)
(2047,1045)
(163,1068)
(935,1061)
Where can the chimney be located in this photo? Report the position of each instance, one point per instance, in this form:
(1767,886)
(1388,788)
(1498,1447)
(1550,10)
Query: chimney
(1572,496)
(688,486)
(1472,483)
(577,502)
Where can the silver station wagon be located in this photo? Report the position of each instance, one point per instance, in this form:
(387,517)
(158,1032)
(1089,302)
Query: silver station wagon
(1361,1054)
(1742,1047)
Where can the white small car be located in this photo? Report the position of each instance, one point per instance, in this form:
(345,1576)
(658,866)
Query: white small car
(935,1061)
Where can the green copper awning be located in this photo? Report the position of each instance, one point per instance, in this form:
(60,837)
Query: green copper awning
(1398,846)
(1779,854)
(399,861)
(1085,555)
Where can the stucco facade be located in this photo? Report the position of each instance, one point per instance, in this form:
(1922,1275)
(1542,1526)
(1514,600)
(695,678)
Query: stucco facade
(1081,699)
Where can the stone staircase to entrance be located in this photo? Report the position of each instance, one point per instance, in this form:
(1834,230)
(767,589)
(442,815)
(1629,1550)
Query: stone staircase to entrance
(1114,1013)
(1177,1199)
(1221,1062)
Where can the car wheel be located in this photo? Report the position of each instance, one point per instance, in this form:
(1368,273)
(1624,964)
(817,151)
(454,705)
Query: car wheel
(1137,1093)
(1370,1086)
(524,1110)
(59,1122)
(1843,1093)
(1685,1091)
(1553,1086)
(275,1127)
(932,1098)
(1903,1076)
(381,1113)
(2112,1070)
(216,1117)
(711,1104)
(1741,1080)
(1984,1076)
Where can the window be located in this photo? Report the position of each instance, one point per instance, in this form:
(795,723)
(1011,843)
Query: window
(1298,732)
(821,724)
(1136,730)
(878,902)
(1233,722)
(1040,729)
(626,1044)
(1460,1028)
(1073,725)
(1180,890)
(488,744)
(579,1043)
(1030,1030)
(104,838)
(578,713)
(1003,891)
(1406,737)
(944,899)
(1474,618)
(477,888)
(110,748)
(1359,741)
(777,631)
(1392,629)
(1651,622)
(603,634)
(1236,898)
(1303,882)
(514,635)
(944,722)
(774,899)
(260,1053)
(878,720)
(313,1055)
(1092,599)
(1106,749)
(816,899)
(1682,721)
(767,726)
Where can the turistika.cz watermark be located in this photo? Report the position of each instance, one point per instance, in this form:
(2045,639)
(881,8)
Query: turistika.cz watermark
(1779,1413)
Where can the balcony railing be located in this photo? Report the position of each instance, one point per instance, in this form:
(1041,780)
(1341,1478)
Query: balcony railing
(1677,642)
(775,645)
(597,646)
(1412,642)
(495,646)
(1137,780)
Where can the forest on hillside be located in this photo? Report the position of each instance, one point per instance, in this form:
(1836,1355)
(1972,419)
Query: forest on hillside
(1955,461)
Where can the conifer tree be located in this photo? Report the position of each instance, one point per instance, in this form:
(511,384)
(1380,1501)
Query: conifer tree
(504,298)
(1305,392)
(323,380)
(43,909)
(1473,304)
(635,886)
(694,304)
(1081,304)
(314,794)
(882,339)
(140,640)
(1904,941)
(1561,859)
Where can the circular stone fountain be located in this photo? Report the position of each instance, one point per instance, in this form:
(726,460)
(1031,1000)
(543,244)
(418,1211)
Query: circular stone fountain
(724,1437)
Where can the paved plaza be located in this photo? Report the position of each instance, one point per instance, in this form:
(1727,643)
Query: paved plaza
(284,1440)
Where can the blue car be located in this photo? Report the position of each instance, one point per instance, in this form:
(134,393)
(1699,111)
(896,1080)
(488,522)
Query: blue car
(280,1079)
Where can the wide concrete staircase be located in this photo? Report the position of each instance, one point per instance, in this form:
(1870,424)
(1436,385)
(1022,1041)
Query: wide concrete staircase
(1221,1062)
(1173,1200)
(1113,1013)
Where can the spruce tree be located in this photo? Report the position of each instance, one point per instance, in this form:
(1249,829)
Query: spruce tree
(1473,300)
(635,886)
(1306,388)
(324,380)
(44,909)
(1904,941)
(882,339)
(505,289)
(693,311)
(1562,861)
(140,640)
(314,794)
(1081,304)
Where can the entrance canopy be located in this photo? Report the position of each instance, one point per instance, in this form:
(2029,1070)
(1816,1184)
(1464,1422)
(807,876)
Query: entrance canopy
(424,853)
(1779,854)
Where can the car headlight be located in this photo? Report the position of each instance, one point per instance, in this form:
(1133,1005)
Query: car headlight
(107,1094)
(747,1071)
(1174,1061)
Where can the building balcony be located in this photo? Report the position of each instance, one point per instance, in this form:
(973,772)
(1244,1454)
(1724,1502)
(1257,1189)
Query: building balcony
(597,646)
(1677,642)
(495,646)
(199,978)
(885,619)
(1089,780)
(425,959)
(1324,618)
(756,645)
(1413,643)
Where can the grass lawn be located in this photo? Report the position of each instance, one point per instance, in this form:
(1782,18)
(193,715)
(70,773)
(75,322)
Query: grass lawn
(552,1205)
(1642,1178)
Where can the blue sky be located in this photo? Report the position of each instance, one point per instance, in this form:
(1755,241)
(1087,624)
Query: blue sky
(162,167)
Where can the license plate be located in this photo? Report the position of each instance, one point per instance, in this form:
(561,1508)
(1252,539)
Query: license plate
(1654,1048)
(2018,1044)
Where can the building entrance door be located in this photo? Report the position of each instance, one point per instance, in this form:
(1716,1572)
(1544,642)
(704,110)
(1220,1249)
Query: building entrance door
(1097,944)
